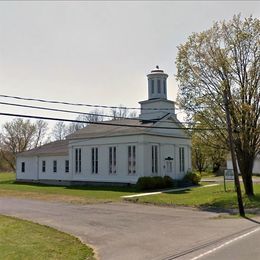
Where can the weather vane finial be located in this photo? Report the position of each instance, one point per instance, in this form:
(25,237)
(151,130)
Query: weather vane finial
(157,67)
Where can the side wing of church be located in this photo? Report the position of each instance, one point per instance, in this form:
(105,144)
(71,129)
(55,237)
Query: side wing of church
(116,151)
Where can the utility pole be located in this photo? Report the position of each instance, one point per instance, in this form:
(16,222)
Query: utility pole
(233,156)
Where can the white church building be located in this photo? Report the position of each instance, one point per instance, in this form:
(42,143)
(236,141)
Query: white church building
(116,151)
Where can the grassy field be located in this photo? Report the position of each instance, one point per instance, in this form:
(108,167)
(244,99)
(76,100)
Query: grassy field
(20,239)
(83,195)
(203,197)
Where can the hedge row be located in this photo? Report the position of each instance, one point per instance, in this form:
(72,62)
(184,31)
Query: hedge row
(155,182)
(158,182)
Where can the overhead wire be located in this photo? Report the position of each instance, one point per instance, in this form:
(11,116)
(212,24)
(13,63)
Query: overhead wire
(102,122)
(90,114)
(83,113)
(79,104)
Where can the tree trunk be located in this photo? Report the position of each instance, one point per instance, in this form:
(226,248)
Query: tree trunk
(246,163)
(248,184)
(9,159)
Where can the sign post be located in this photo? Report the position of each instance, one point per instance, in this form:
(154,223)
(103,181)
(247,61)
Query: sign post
(229,176)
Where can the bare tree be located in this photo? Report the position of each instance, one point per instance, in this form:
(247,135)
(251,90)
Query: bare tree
(119,113)
(93,116)
(122,112)
(41,133)
(60,131)
(20,135)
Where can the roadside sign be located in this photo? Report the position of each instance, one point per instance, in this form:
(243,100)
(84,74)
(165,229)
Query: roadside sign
(228,176)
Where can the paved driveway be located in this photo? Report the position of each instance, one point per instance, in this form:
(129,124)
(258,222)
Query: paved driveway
(131,231)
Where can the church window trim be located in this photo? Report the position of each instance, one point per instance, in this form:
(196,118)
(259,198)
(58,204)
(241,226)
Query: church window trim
(131,159)
(44,166)
(54,166)
(155,159)
(181,159)
(67,165)
(94,160)
(112,159)
(22,166)
(78,160)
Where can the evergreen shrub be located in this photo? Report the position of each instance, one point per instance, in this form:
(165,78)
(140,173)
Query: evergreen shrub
(192,178)
(154,182)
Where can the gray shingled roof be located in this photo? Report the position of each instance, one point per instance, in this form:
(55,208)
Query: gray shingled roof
(57,148)
(102,130)
(92,131)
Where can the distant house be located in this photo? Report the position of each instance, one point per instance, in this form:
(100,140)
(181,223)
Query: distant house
(256,168)
(116,151)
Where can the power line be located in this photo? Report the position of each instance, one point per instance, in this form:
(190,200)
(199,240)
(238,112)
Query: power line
(83,113)
(104,122)
(54,109)
(79,104)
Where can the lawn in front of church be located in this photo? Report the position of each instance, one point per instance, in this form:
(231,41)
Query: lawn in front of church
(199,196)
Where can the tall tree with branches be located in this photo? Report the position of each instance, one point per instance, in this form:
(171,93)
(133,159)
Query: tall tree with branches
(20,135)
(60,131)
(224,61)
(122,112)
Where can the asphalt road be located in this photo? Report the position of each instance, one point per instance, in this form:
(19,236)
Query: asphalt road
(244,247)
(133,231)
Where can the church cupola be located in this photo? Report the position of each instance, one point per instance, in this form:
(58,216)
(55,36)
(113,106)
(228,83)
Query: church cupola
(157,105)
(157,84)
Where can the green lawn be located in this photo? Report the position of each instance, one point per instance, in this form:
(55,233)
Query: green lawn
(83,195)
(203,197)
(20,239)
(195,197)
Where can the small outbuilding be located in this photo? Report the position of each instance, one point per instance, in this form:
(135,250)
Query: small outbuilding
(256,167)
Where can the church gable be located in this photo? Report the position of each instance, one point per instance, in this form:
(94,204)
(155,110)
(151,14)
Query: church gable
(171,126)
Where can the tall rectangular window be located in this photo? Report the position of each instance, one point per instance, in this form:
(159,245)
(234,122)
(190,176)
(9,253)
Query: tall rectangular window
(152,86)
(159,86)
(78,160)
(43,166)
(181,159)
(94,159)
(54,166)
(67,165)
(112,159)
(23,167)
(131,159)
(164,86)
(154,159)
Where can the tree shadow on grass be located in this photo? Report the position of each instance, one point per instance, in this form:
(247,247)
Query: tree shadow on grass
(130,189)
(103,188)
(181,192)
(7,182)
(224,206)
